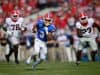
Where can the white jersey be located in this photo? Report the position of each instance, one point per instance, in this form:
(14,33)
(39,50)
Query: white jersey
(14,27)
(87,31)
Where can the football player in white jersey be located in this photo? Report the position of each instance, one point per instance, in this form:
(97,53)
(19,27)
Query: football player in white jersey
(86,31)
(14,26)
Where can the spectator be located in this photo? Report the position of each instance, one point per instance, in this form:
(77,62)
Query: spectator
(62,41)
(1,11)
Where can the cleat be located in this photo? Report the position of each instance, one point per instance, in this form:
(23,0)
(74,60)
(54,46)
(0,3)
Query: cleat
(77,63)
(16,61)
(33,67)
(27,63)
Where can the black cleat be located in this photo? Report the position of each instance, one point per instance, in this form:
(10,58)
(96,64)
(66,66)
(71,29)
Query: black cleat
(78,63)
(16,61)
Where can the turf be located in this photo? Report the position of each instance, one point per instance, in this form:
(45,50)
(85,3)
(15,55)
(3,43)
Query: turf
(51,68)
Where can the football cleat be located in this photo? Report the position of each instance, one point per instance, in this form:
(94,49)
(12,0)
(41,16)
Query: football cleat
(77,63)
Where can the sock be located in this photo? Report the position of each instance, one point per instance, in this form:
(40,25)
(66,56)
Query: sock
(78,55)
(7,49)
(93,54)
(16,53)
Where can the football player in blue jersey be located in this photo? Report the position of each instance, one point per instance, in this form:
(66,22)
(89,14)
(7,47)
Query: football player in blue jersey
(44,30)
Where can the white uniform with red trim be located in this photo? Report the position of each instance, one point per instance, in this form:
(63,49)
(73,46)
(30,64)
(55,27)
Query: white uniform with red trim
(14,29)
(88,34)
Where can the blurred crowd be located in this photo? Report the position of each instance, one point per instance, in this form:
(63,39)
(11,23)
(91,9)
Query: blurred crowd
(66,7)
(64,18)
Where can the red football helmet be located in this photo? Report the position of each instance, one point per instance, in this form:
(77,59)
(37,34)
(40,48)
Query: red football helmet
(48,19)
(15,15)
(83,18)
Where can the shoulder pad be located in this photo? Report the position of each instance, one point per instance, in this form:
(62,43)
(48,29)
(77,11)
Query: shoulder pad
(40,23)
(91,20)
(52,28)
(78,24)
(7,20)
(21,19)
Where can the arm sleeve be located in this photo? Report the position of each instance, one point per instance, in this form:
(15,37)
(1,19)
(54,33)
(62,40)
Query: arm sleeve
(5,25)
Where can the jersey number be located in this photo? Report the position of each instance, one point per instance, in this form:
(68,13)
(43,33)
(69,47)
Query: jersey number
(86,30)
(42,34)
(15,27)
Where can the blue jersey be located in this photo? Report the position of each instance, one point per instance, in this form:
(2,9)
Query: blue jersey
(42,30)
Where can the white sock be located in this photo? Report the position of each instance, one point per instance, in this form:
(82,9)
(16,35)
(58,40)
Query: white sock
(7,49)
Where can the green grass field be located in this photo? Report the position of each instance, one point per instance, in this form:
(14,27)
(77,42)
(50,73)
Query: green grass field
(48,68)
